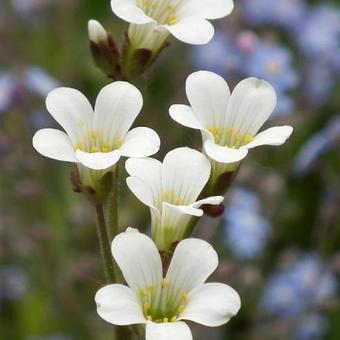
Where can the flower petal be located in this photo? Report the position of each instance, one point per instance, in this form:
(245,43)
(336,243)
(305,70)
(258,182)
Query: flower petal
(184,268)
(141,190)
(184,115)
(117,106)
(212,304)
(54,144)
(167,331)
(273,136)
(71,109)
(251,103)
(192,30)
(181,179)
(213,200)
(138,259)
(140,142)
(98,160)
(119,305)
(129,11)
(149,186)
(208,94)
(223,154)
(212,9)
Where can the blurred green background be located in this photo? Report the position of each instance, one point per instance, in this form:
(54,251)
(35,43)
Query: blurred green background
(287,274)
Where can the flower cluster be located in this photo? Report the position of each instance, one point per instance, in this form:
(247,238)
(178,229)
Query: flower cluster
(165,274)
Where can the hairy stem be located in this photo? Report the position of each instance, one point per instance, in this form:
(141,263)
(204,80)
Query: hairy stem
(104,245)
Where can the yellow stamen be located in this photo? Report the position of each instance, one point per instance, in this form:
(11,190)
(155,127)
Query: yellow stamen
(146,305)
(165,320)
(184,296)
(79,146)
(149,317)
(94,149)
(105,148)
(229,131)
(151,288)
(238,137)
(181,308)
(165,283)
(248,138)
(173,319)
(170,6)
(172,19)
(93,135)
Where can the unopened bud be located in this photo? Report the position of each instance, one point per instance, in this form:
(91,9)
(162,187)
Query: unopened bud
(97,33)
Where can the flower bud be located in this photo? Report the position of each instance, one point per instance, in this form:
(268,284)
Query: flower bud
(97,33)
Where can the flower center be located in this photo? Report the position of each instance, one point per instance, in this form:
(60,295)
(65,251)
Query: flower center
(229,137)
(273,67)
(165,304)
(94,144)
(160,10)
(169,197)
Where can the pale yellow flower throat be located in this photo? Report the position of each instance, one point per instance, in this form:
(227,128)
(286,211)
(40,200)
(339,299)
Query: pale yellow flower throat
(163,304)
(161,11)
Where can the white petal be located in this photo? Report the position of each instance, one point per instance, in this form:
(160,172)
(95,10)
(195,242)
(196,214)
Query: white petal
(212,304)
(129,11)
(141,190)
(71,109)
(119,305)
(182,210)
(140,142)
(251,103)
(208,94)
(117,106)
(184,115)
(223,154)
(185,173)
(192,30)
(193,262)
(138,259)
(167,331)
(273,136)
(54,144)
(212,9)
(98,160)
(149,186)
(213,200)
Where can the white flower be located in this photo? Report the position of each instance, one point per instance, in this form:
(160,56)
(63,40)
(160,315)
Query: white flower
(96,140)
(153,20)
(162,303)
(229,123)
(171,189)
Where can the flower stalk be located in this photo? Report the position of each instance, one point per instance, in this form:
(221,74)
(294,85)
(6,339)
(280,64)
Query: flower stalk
(104,244)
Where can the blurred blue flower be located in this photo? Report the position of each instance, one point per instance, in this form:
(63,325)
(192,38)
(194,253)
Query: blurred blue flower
(319,82)
(317,145)
(246,231)
(38,81)
(284,13)
(219,56)
(311,327)
(318,35)
(29,7)
(7,90)
(13,283)
(303,285)
(273,63)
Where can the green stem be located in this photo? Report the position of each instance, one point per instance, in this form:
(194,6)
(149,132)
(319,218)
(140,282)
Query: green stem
(104,245)
(113,227)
